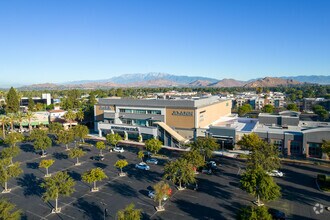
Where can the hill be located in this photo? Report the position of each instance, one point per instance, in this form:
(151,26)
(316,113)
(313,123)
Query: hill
(228,83)
(272,82)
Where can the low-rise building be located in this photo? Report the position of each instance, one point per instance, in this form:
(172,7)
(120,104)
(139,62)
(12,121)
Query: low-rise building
(173,121)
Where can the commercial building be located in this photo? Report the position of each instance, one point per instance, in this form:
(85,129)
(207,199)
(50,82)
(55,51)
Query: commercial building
(292,136)
(173,121)
(44,99)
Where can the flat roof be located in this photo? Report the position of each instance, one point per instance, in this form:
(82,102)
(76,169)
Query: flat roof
(182,103)
(240,124)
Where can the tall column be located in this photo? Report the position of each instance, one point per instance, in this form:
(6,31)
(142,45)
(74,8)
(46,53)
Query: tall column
(289,148)
(306,149)
(100,133)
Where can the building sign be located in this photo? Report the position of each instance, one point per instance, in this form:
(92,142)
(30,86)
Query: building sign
(182,113)
(120,128)
(106,107)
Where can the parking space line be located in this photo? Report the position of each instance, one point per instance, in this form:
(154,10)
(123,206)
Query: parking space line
(39,216)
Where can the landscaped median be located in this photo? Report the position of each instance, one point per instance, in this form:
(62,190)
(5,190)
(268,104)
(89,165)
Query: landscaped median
(323,182)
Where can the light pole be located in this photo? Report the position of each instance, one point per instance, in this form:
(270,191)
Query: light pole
(104,210)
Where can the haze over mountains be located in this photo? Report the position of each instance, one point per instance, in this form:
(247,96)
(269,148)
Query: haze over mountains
(170,80)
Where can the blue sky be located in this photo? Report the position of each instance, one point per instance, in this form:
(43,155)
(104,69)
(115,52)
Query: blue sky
(65,40)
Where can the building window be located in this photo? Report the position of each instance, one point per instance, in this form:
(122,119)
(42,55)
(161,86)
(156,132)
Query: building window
(295,147)
(315,149)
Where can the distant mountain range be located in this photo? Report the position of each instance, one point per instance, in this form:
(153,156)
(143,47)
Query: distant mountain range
(169,80)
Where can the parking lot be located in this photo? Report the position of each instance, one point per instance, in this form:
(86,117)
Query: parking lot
(218,195)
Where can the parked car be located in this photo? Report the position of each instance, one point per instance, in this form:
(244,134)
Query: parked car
(45,153)
(207,171)
(142,166)
(276,214)
(152,160)
(151,194)
(212,165)
(98,158)
(118,149)
(275,173)
(147,154)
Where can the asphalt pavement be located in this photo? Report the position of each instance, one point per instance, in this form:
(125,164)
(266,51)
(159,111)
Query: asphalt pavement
(218,196)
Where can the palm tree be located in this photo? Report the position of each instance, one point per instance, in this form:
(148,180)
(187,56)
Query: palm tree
(11,120)
(70,116)
(4,121)
(29,116)
(20,118)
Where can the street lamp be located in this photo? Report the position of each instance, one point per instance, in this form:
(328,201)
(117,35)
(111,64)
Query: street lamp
(104,210)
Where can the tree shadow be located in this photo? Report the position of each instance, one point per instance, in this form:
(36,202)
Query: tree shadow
(215,189)
(27,147)
(146,175)
(74,175)
(123,189)
(198,211)
(60,156)
(30,184)
(100,165)
(120,156)
(90,209)
(32,165)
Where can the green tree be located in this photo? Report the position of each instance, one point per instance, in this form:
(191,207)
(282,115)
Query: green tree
(13,138)
(37,134)
(250,141)
(55,128)
(195,158)
(254,213)
(326,147)
(31,105)
(46,164)
(42,143)
(59,184)
(321,112)
(268,108)
(4,121)
(65,137)
(40,106)
(180,172)
(91,100)
(162,190)
(29,116)
(205,146)
(12,101)
(20,117)
(113,139)
(244,109)
(70,116)
(8,170)
(81,132)
(11,120)
(120,164)
(153,145)
(76,153)
(292,107)
(101,146)
(140,155)
(129,213)
(10,153)
(92,176)
(8,211)
(80,115)
(258,183)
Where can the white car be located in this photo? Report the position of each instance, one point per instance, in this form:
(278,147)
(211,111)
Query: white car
(118,149)
(152,160)
(142,166)
(151,195)
(275,173)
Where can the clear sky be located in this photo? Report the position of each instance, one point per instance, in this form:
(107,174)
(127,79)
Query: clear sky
(65,40)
